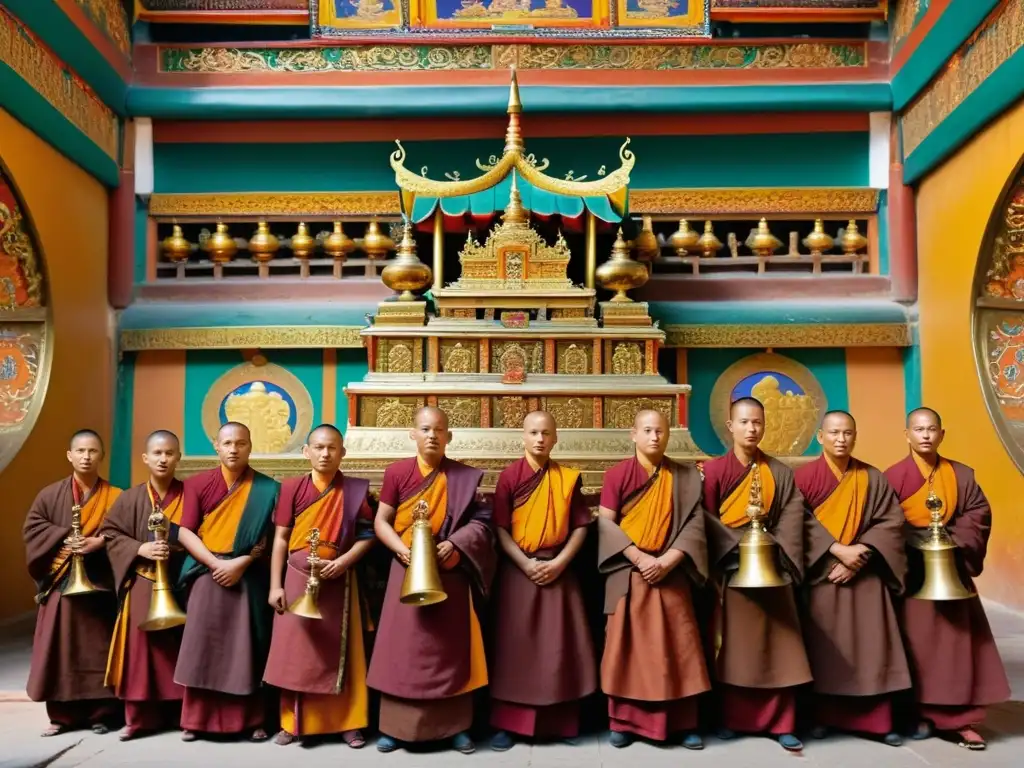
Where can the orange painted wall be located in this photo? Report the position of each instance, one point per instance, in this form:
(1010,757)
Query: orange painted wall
(953,209)
(874,382)
(68,209)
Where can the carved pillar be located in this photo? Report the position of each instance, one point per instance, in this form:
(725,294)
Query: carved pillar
(902,228)
(438,247)
(591,260)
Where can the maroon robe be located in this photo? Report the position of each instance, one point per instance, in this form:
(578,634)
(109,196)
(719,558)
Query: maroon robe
(421,656)
(306,656)
(219,663)
(653,668)
(152,700)
(954,661)
(762,658)
(72,635)
(852,635)
(540,629)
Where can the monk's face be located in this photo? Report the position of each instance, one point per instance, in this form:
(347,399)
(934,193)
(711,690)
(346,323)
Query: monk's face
(838,435)
(161,457)
(431,434)
(924,433)
(85,455)
(539,436)
(746,425)
(324,451)
(650,435)
(233,447)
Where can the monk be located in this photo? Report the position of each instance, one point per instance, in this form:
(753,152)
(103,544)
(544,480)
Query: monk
(427,660)
(69,651)
(760,649)
(956,667)
(652,551)
(320,664)
(855,566)
(543,659)
(140,666)
(225,525)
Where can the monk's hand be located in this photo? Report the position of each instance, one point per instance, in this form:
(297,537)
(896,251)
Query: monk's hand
(854,557)
(229,572)
(840,574)
(92,544)
(535,570)
(404,555)
(653,571)
(549,571)
(277,599)
(444,551)
(155,550)
(334,568)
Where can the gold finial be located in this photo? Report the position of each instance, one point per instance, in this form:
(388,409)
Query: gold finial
(406,273)
(514,211)
(514,134)
(515,106)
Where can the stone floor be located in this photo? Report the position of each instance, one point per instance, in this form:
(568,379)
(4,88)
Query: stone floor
(21,746)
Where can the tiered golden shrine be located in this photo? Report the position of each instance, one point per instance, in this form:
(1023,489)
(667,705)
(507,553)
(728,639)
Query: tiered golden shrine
(513,334)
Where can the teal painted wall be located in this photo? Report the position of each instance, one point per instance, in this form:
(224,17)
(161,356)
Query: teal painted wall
(662,161)
(352,366)
(205,367)
(912,376)
(121,441)
(704,366)
(141,220)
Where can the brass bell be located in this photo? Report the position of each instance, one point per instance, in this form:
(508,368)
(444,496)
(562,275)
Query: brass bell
(79,582)
(164,611)
(757,548)
(941,577)
(307,606)
(422,583)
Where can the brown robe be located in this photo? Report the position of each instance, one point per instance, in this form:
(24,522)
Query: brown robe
(853,638)
(72,637)
(954,660)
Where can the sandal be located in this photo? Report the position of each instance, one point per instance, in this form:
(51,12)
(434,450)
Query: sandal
(968,738)
(188,736)
(55,729)
(258,735)
(99,729)
(283,738)
(354,739)
(128,733)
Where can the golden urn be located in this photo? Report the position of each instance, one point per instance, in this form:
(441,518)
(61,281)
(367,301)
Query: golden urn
(761,241)
(852,240)
(175,247)
(819,241)
(646,243)
(620,273)
(683,240)
(406,273)
(375,243)
(709,244)
(302,243)
(337,244)
(263,244)
(220,245)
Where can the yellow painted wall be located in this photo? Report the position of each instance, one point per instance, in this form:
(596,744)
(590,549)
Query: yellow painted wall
(954,206)
(68,209)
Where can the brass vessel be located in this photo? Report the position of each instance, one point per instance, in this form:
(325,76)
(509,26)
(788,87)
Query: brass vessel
(761,240)
(757,548)
(79,582)
(819,241)
(220,246)
(376,244)
(263,244)
(422,583)
(620,273)
(406,273)
(302,243)
(941,578)
(852,240)
(708,244)
(337,244)
(175,247)
(164,611)
(646,243)
(307,606)
(683,240)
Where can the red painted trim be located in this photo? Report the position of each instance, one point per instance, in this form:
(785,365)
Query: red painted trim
(121,229)
(918,33)
(107,48)
(796,15)
(225,17)
(555,126)
(902,237)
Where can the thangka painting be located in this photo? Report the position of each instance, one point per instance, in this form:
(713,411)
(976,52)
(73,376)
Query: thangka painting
(333,17)
(680,15)
(518,14)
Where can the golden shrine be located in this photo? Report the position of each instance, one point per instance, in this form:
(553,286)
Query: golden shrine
(512,334)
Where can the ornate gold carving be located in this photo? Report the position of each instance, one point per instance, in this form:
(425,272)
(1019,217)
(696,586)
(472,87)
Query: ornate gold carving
(21,282)
(627,360)
(620,412)
(388,412)
(241,337)
(791,418)
(990,45)
(110,18)
(306,204)
(400,358)
(574,359)
(458,357)
(364,58)
(52,79)
(757,201)
(785,335)
(1005,273)
(565,313)
(510,355)
(400,355)
(570,412)
(902,18)
(511,411)
(463,412)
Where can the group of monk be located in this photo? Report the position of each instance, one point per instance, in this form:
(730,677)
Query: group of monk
(684,653)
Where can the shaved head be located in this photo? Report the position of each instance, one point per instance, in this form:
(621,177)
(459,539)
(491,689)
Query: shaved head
(650,435)
(325,448)
(924,432)
(163,452)
(925,412)
(647,414)
(86,433)
(231,426)
(233,446)
(162,435)
(540,434)
(838,415)
(431,434)
(838,436)
(431,411)
(323,428)
(539,417)
(751,402)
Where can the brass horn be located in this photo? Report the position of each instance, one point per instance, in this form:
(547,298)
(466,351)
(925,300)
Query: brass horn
(79,582)
(941,578)
(422,583)
(307,606)
(757,548)
(164,611)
